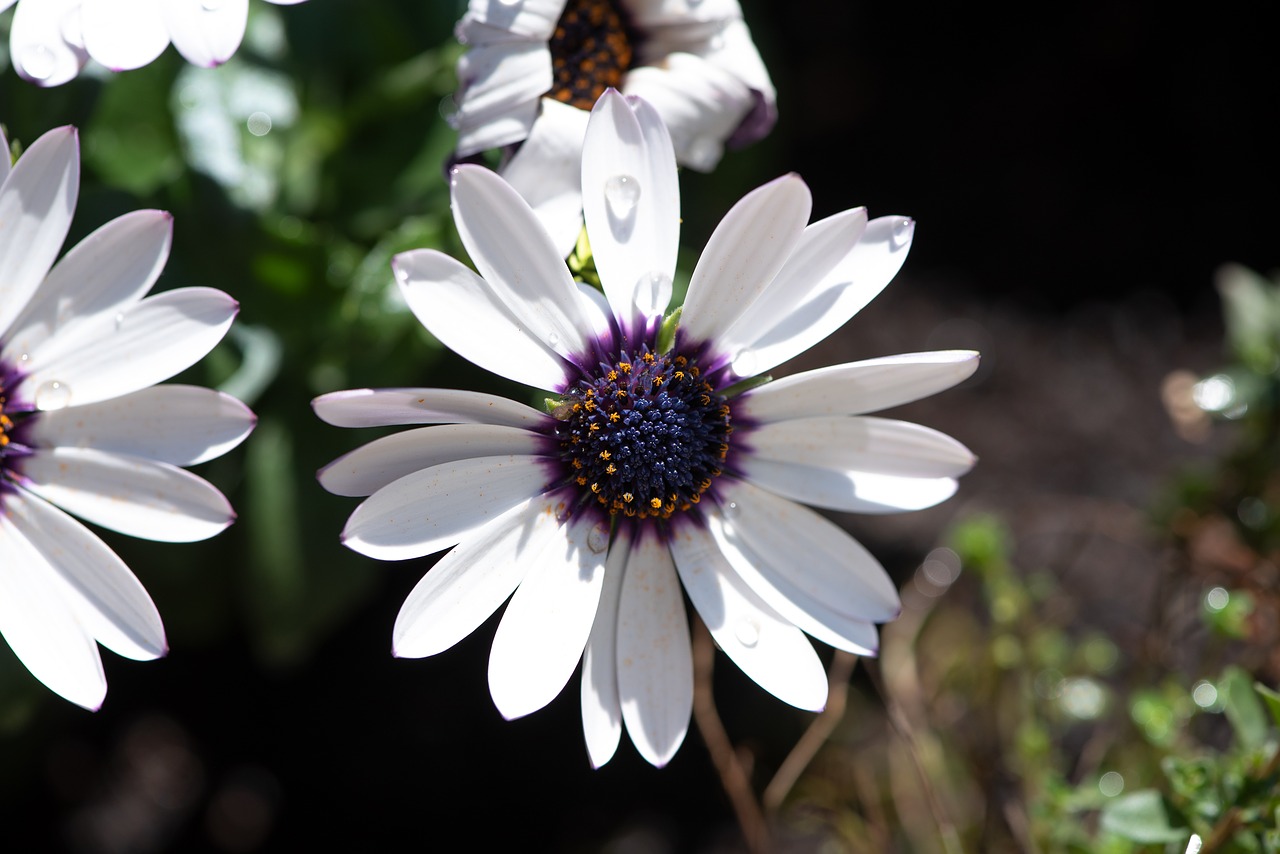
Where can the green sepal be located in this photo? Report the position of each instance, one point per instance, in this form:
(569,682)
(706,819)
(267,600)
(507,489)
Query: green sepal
(667,331)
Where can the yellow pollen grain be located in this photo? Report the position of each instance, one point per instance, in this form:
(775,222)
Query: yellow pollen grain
(604,455)
(655,503)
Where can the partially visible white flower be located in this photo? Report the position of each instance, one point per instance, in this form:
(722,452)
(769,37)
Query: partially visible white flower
(51,40)
(83,427)
(658,468)
(534,69)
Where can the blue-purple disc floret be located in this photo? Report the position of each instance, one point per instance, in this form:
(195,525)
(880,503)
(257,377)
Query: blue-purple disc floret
(644,435)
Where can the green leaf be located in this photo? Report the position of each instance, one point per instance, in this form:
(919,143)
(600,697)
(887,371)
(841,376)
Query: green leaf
(1243,708)
(1143,816)
(1270,699)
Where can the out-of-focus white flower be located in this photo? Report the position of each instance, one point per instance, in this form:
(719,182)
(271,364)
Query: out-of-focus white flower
(51,40)
(534,69)
(83,427)
(654,469)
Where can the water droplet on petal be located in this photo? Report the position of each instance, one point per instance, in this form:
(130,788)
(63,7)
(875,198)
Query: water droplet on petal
(653,291)
(902,231)
(731,510)
(553,339)
(259,123)
(622,192)
(449,111)
(37,61)
(211,5)
(25,357)
(598,538)
(119,320)
(744,363)
(52,394)
(510,2)
(747,632)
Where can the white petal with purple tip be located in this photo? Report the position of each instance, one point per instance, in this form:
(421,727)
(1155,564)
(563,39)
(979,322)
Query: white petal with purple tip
(858,387)
(375,465)
(138,497)
(40,626)
(36,203)
(205,33)
(470,582)
(106,597)
(744,253)
(39,46)
(601,709)
(773,652)
(367,407)
(861,444)
(655,659)
(545,627)
(435,508)
(178,424)
(466,315)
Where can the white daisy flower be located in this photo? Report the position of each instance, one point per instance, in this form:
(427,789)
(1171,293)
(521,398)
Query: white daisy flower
(535,68)
(657,466)
(83,430)
(51,40)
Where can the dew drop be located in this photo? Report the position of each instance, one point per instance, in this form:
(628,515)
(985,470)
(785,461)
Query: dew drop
(52,394)
(37,61)
(731,510)
(119,320)
(509,3)
(747,632)
(25,357)
(653,291)
(449,111)
(598,538)
(259,123)
(744,363)
(902,231)
(622,192)
(211,5)
(553,339)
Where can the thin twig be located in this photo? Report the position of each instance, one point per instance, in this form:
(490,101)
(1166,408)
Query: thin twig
(842,664)
(733,777)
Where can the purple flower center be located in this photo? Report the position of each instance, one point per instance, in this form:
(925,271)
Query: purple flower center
(591,49)
(644,437)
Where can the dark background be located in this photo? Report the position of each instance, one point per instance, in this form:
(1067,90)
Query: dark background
(1058,160)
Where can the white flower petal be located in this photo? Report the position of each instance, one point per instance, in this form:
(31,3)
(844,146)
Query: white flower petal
(805,556)
(206,34)
(773,652)
(38,42)
(601,708)
(545,628)
(547,171)
(852,492)
(655,660)
(124,34)
(861,444)
(857,387)
(744,253)
(435,508)
(810,616)
(178,424)
(631,201)
(36,203)
(532,19)
(701,103)
(464,313)
(826,304)
(107,598)
(822,246)
(499,87)
(517,259)
(142,345)
(39,625)
(367,407)
(375,465)
(138,497)
(470,582)
(110,269)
